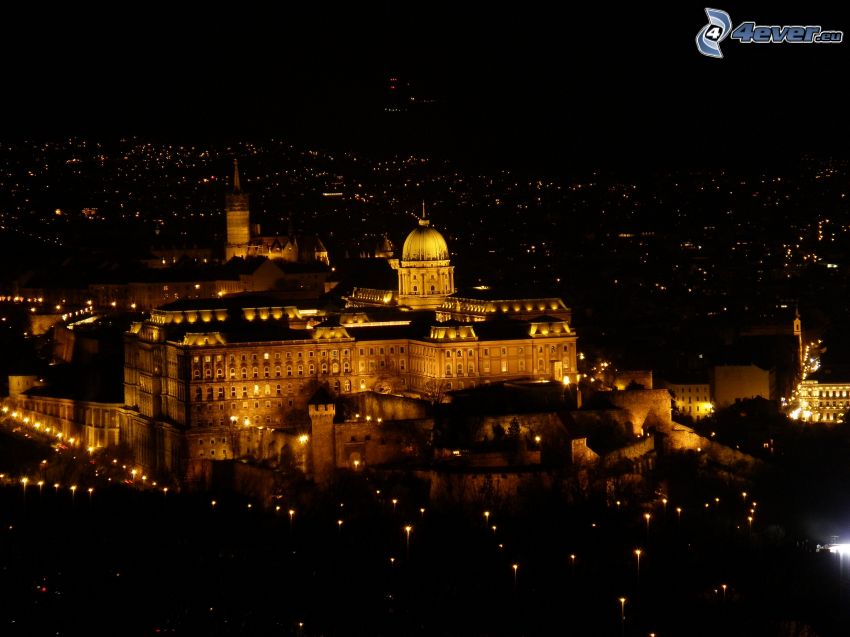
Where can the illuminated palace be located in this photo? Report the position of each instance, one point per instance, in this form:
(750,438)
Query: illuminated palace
(198,367)
(237,375)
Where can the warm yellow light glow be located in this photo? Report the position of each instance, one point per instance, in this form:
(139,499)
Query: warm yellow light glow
(304,439)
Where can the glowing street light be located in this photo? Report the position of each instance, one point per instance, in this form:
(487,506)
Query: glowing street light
(407,530)
(422,512)
(24,482)
(73,493)
(723,586)
(339,527)
(515,567)
(56,486)
(622,601)
(395,501)
(637,554)
(572,559)
(90,490)
(678,515)
(291,516)
(486,519)
(40,484)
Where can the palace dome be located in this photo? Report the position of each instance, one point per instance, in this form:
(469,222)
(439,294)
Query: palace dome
(425,244)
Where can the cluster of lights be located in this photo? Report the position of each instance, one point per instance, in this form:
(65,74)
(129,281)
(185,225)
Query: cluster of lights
(39,427)
(368,418)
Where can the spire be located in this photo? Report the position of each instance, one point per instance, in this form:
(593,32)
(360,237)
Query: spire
(237,184)
(423,220)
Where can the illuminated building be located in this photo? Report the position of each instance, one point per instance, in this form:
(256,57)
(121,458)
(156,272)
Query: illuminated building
(232,375)
(199,370)
(244,239)
(692,397)
(425,274)
(825,396)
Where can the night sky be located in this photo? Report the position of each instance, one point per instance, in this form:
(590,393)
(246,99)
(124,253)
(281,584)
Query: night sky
(527,84)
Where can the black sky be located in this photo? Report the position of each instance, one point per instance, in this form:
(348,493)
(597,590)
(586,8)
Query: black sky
(533,80)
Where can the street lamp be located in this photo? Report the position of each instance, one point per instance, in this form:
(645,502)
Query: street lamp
(90,490)
(24,482)
(516,568)
(395,501)
(40,484)
(486,519)
(622,615)
(73,493)
(647,517)
(678,515)
(723,586)
(407,530)
(637,554)
(291,515)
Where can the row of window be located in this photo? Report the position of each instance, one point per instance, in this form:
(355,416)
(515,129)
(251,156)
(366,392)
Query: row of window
(218,358)
(324,368)
(218,393)
(207,359)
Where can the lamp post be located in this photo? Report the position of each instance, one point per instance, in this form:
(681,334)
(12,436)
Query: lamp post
(622,615)
(723,586)
(637,554)
(73,493)
(291,516)
(486,519)
(407,530)
(515,567)
(24,482)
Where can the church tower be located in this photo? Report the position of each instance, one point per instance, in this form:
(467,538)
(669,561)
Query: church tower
(238,219)
(425,274)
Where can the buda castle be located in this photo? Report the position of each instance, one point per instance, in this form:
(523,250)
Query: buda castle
(233,375)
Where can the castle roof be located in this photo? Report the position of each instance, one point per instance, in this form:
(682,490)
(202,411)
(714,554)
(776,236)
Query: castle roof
(424,243)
